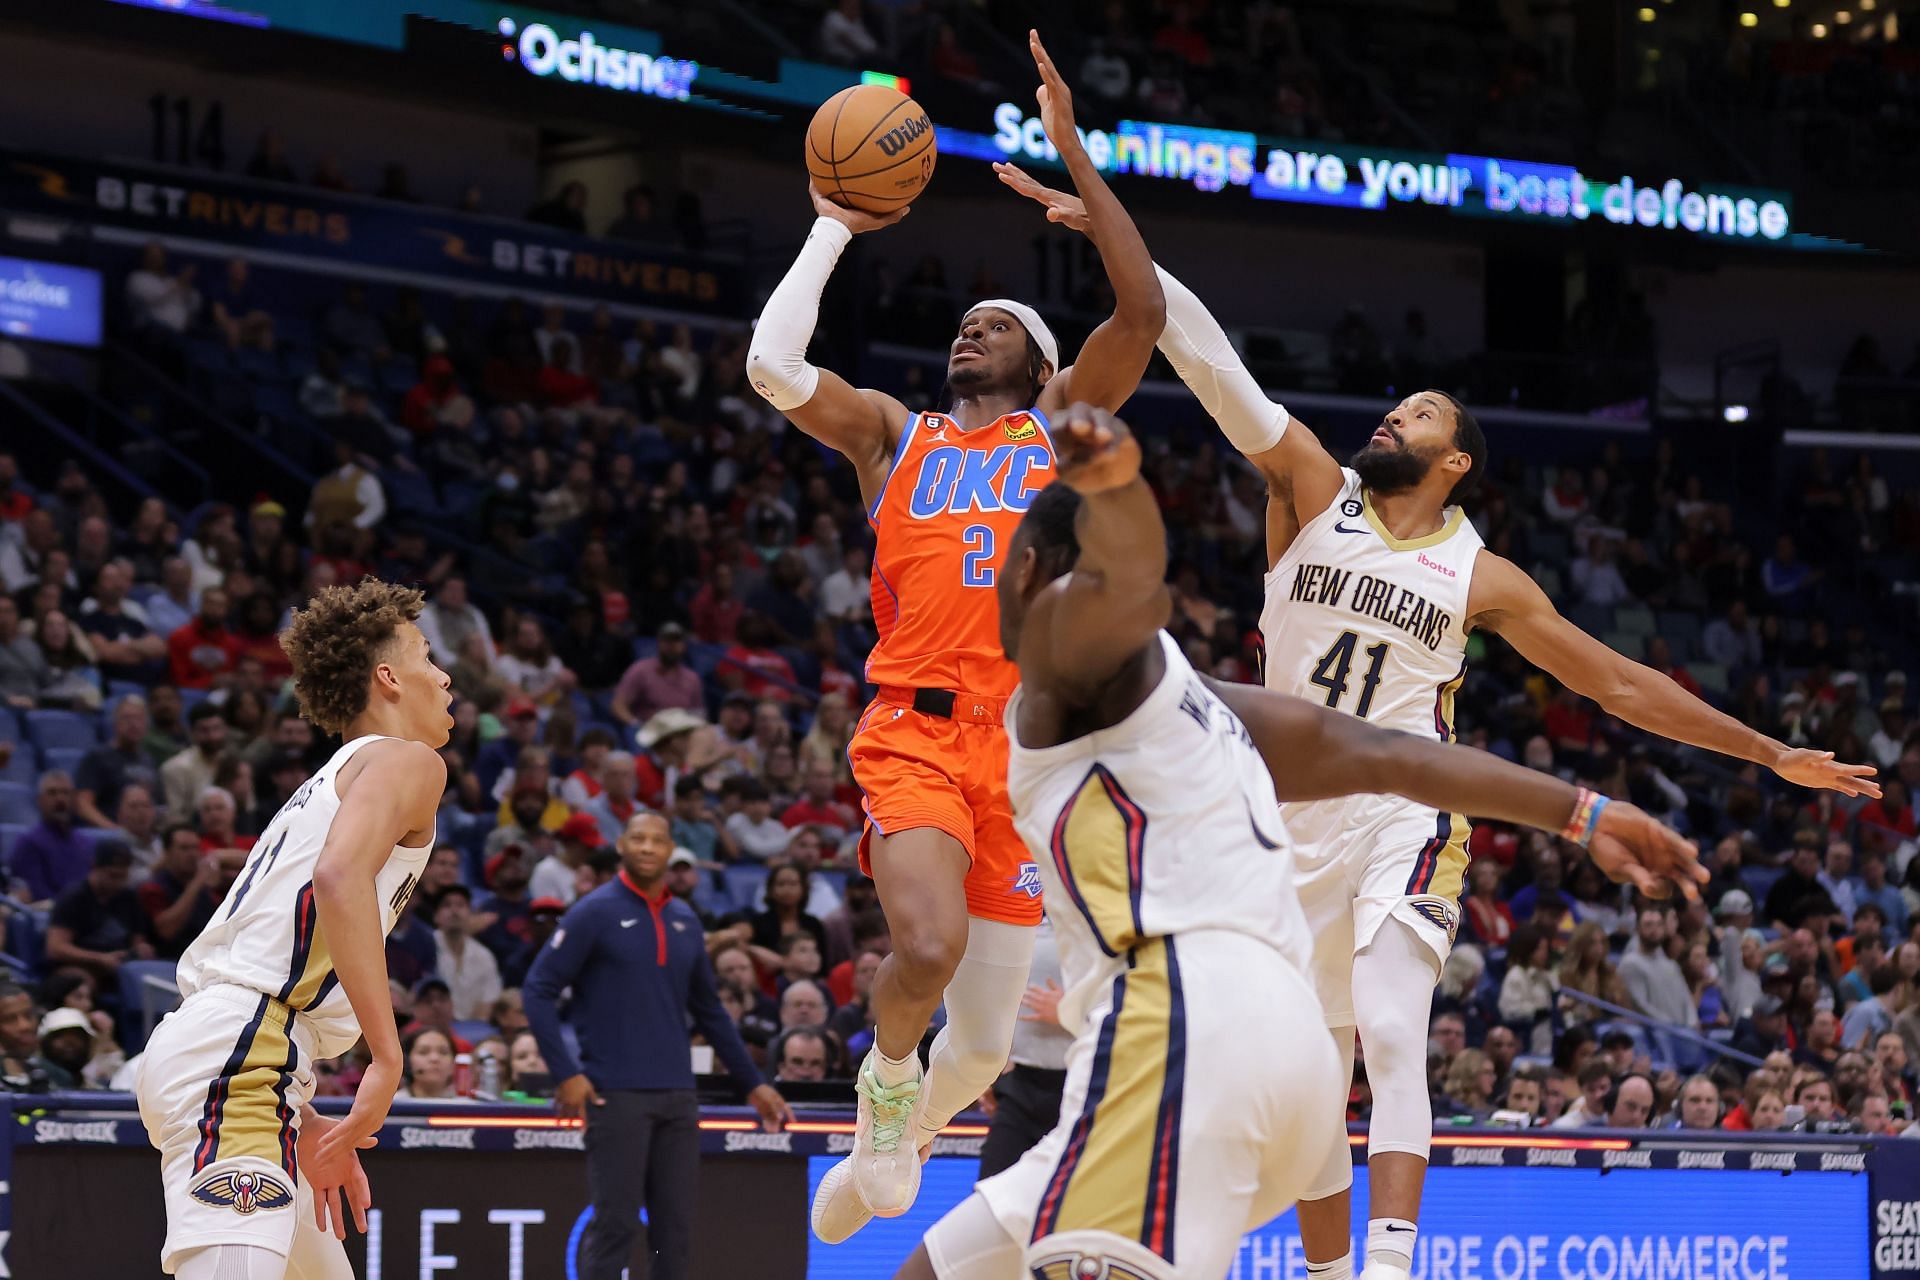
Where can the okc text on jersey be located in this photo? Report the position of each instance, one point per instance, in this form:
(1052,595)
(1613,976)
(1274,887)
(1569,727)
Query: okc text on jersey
(957,479)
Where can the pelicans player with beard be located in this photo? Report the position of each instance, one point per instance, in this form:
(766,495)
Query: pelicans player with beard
(944,493)
(1374,579)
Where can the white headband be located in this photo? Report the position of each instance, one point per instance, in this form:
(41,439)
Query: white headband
(1036,327)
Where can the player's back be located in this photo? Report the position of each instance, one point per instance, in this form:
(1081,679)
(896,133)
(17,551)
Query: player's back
(266,936)
(942,524)
(1163,824)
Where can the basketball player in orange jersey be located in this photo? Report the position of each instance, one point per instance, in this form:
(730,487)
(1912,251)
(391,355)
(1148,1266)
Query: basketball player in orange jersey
(944,493)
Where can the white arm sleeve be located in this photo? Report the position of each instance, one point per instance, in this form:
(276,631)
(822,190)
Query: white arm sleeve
(1197,347)
(777,358)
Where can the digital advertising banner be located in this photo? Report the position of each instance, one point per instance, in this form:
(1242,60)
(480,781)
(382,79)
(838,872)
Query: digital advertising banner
(376,233)
(49,302)
(500,1193)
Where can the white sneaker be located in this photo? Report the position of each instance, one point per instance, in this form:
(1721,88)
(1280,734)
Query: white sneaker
(886,1163)
(838,1211)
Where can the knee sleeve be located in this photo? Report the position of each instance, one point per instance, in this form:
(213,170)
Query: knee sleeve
(1090,1253)
(1336,1173)
(983,1004)
(1393,981)
(970,1244)
(232,1262)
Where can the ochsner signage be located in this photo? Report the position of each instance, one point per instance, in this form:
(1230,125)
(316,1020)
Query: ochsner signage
(583,60)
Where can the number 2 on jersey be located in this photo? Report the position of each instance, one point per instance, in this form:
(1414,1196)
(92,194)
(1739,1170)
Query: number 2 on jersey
(1334,665)
(976,570)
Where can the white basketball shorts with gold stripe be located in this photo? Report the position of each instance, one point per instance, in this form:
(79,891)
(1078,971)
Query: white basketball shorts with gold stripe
(221,1087)
(1201,1099)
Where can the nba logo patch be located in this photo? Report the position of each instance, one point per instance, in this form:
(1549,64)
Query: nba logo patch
(243,1192)
(1028,881)
(1021,427)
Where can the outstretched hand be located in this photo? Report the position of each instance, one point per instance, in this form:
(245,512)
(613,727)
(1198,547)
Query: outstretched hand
(1630,846)
(1094,451)
(1055,99)
(1070,211)
(1819,770)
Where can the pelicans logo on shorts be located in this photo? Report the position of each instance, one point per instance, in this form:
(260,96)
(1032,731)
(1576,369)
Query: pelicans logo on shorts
(1439,913)
(1078,1266)
(243,1192)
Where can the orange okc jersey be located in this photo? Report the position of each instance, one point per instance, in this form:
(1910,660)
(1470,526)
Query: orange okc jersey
(941,526)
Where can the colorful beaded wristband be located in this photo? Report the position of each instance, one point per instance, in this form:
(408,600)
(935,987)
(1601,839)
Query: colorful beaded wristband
(1587,808)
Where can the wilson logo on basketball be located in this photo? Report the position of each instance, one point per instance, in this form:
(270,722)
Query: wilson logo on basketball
(894,140)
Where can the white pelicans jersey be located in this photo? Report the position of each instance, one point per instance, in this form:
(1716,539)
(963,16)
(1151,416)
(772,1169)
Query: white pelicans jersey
(1163,824)
(266,935)
(1374,626)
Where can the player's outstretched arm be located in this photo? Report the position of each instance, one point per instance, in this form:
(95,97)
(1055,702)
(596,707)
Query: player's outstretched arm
(1299,471)
(1114,357)
(1092,620)
(395,792)
(1504,599)
(1316,754)
(819,401)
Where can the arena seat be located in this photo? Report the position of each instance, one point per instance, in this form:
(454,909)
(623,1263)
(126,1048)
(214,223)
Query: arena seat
(743,884)
(17,805)
(56,730)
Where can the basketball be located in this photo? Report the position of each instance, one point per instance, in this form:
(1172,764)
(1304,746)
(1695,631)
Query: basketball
(870,148)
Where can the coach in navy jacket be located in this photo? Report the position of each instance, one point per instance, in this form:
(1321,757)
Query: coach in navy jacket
(636,958)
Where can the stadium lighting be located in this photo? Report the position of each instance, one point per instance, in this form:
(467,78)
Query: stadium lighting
(1734,413)
(1819,31)
(1646,15)
(1749,20)
(1843,17)
(1867,6)
(1781,4)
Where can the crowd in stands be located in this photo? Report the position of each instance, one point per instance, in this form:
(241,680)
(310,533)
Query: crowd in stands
(649,593)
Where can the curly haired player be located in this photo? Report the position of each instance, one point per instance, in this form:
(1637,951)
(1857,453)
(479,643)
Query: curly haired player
(293,966)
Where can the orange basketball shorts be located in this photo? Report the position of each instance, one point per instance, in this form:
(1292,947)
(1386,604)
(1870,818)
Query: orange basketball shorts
(920,770)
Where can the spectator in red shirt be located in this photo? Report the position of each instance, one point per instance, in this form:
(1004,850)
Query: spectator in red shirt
(217,834)
(1179,36)
(204,650)
(1568,722)
(753,666)
(651,685)
(1890,813)
(436,400)
(817,807)
(716,613)
(560,386)
(183,892)
(1489,920)
(1660,658)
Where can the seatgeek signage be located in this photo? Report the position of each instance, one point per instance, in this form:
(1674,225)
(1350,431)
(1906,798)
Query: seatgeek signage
(1216,161)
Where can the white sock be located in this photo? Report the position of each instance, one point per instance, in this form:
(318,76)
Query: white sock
(890,1072)
(1390,1240)
(1341,1268)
